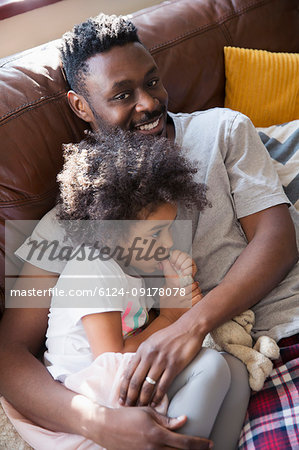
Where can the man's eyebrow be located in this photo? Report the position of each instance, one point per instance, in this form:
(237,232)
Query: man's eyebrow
(124,83)
(120,84)
(152,70)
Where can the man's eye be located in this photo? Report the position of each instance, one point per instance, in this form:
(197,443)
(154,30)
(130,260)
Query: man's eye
(153,83)
(123,96)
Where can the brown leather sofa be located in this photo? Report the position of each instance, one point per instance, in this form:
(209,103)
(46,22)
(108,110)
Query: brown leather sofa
(186,38)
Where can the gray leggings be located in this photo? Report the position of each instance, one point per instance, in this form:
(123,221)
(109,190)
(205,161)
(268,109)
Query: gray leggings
(213,392)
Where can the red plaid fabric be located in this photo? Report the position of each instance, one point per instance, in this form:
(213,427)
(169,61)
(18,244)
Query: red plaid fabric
(273,414)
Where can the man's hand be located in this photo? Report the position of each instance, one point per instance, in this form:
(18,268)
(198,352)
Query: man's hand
(161,357)
(144,428)
(166,353)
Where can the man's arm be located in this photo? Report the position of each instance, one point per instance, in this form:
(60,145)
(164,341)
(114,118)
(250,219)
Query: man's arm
(270,254)
(22,333)
(27,384)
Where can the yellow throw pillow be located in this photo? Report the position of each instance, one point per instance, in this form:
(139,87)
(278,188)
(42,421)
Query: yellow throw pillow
(263,85)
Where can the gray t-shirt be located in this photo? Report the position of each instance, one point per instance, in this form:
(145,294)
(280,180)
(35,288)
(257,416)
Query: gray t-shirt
(241,181)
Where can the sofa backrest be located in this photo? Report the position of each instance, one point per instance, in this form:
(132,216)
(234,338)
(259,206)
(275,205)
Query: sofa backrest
(186,38)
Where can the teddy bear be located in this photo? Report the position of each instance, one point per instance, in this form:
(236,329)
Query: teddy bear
(234,337)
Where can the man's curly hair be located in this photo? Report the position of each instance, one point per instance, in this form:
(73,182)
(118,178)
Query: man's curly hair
(124,176)
(95,35)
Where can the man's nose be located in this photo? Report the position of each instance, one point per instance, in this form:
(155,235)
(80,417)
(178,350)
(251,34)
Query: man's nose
(146,102)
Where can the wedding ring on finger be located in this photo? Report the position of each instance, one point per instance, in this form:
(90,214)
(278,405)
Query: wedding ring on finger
(150,380)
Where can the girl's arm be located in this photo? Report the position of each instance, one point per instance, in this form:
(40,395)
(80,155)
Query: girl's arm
(104,332)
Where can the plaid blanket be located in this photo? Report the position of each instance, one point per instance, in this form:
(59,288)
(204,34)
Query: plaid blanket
(272,420)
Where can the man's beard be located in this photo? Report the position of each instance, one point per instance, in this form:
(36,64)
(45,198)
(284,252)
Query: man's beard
(103,126)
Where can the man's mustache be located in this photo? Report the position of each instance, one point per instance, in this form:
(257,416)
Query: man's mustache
(150,116)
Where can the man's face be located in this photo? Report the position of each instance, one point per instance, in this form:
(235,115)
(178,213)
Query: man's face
(125,90)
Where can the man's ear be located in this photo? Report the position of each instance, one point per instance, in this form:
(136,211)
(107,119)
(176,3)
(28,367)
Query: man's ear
(80,106)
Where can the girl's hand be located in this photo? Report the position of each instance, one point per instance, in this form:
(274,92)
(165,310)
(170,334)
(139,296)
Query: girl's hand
(179,270)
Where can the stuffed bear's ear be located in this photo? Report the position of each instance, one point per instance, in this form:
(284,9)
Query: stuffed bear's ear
(246,319)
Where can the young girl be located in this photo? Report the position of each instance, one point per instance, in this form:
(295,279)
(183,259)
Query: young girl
(119,194)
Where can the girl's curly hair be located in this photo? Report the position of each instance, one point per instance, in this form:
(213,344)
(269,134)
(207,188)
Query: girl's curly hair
(121,175)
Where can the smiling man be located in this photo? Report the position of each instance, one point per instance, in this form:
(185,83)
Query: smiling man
(244,245)
(114,82)
(136,103)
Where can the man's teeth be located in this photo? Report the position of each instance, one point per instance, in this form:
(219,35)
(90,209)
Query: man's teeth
(149,126)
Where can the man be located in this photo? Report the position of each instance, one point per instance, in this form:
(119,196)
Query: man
(248,251)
